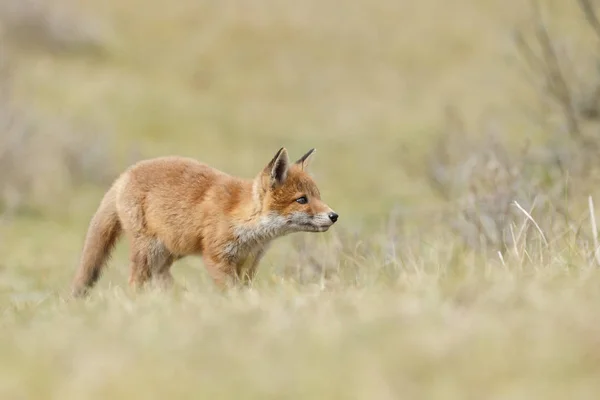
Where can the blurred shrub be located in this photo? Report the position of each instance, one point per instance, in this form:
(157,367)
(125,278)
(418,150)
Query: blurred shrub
(498,194)
(51,26)
(41,160)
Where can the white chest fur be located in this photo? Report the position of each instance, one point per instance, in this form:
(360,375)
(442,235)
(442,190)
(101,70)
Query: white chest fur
(251,239)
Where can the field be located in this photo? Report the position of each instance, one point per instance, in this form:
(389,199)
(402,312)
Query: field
(458,269)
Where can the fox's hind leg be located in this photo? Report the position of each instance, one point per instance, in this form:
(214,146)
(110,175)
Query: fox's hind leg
(149,259)
(162,275)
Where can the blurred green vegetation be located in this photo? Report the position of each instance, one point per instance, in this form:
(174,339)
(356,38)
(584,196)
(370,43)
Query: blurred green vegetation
(228,83)
(410,294)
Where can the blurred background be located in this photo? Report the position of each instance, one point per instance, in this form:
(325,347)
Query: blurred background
(458,141)
(433,114)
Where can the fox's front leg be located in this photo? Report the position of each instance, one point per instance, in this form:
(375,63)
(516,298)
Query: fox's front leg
(247,269)
(222,272)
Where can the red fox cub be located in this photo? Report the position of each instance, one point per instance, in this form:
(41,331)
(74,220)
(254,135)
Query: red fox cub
(172,207)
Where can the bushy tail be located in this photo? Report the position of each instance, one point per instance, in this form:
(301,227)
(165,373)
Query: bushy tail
(103,232)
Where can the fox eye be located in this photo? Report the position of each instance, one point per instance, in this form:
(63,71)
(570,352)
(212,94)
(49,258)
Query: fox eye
(302,200)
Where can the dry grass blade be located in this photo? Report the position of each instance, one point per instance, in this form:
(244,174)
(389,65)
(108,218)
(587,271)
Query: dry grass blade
(594,230)
(532,220)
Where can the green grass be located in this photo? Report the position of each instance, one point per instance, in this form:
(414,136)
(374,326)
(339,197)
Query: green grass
(366,83)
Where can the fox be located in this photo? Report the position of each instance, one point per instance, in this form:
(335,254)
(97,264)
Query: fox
(171,207)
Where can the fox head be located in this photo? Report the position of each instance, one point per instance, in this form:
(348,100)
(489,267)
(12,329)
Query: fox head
(289,194)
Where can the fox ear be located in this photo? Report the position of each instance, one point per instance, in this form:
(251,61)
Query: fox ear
(305,159)
(278,168)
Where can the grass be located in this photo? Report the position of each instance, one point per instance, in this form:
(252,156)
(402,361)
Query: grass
(428,328)
(383,306)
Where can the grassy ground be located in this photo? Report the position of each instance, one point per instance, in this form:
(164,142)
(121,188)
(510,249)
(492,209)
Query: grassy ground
(359,312)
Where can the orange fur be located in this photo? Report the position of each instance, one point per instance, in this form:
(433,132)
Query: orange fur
(172,207)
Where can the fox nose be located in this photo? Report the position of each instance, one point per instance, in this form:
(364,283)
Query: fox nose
(333,216)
